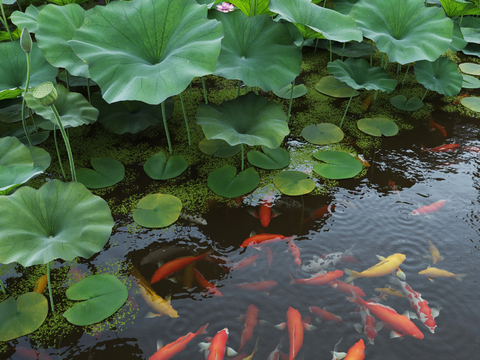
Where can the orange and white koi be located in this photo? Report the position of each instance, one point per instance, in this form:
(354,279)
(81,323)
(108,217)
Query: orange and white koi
(442,148)
(392,186)
(432,272)
(168,351)
(211,288)
(384,267)
(173,266)
(295,251)
(356,352)
(427,209)
(41,284)
(434,253)
(318,279)
(216,349)
(369,326)
(346,288)
(264,239)
(434,126)
(250,321)
(325,315)
(257,286)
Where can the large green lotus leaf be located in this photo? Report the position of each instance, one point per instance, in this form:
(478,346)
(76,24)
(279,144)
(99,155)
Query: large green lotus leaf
(251,43)
(27,19)
(73,108)
(458,8)
(441,76)
(56,26)
(11,114)
(147,50)
(378,126)
(472,103)
(9,2)
(226,183)
(470,28)
(331,24)
(285,92)
(249,119)
(13,152)
(470,82)
(353,49)
(130,116)
(358,74)
(470,68)
(23,316)
(458,42)
(157,210)
(331,86)
(270,159)
(218,148)
(337,165)
(401,102)
(12,176)
(470,49)
(293,183)
(41,158)
(322,134)
(158,168)
(344,6)
(13,67)
(260,7)
(103,295)
(76,80)
(405,30)
(37,137)
(59,220)
(107,172)
(10,94)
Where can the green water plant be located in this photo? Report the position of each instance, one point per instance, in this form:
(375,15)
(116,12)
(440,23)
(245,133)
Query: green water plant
(401,102)
(107,172)
(322,134)
(336,165)
(218,148)
(157,210)
(331,86)
(470,82)
(293,183)
(472,103)
(470,68)
(28,18)
(378,126)
(270,159)
(158,168)
(26,45)
(225,181)
(440,75)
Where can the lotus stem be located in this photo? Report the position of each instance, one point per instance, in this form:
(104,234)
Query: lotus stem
(375,96)
(331,57)
(426,91)
(460,22)
(343,118)
(24,123)
(164,116)
(316,44)
(386,63)
(3,287)
(67,143)
(204,91)
(291,100)
(58,151)
(252,3)
(243,160)
(88,91)
(49,283)
(190,88)
(371,53)
(381,61)
(343,51)
(399,67)
(4,21)
(238,88)
(67,80)
(186,120)
(303,42)
(406,72)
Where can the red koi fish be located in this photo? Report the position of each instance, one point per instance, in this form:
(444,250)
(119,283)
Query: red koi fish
(434,126)
(173,266)
(459,98)
(242,263)
(442,148)
(427,209)
(325,315)
(264,239)
(257,286)
(216,349)
(318,279)
(295,251)
(320,212)
(400,324)
(392,186)
(346,288)
(265,210)
(356,352)
(212,289)
(41,284)
(32,353)
(471,148)
(250,321)
(169,350)
(369,326)
(267,252)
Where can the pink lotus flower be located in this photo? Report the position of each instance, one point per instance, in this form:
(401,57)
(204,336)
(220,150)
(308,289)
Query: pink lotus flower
(225,7)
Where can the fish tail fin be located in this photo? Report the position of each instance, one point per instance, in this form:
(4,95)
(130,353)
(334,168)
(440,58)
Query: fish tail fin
(293,281)
(459,277)
(351,275)
(207,256)
(203,329)
(151,315)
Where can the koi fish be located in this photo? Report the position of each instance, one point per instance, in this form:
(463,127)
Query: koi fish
(193,219)
(265,213)
(169,350)
(459,98)
(318,279)
(400,324)
(41,284)
(295,331)
(366,102)
(362,160)
(216,349)
(320,212)
(427,209)
(276,354)
(432,272)
(267,252)
(471,148)
(264,239)
(173,266)
(434,253)
(160,305)
(328,260)
(425,314)
(257,286)
(295,251)
(249,324)
(369,326)
(393,186)
(288,203)
(390,291)
(346,288)
(31,353)
(434,126)
(325,315)
(212,289)
(76,274)
(384,267)
(242,263)
(442,148)
(356,352)
(245,356)
(166,252)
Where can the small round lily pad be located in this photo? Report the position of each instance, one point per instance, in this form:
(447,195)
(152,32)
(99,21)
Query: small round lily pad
(158,168)
(270,159)
(322,134)
(157,210)
(285,92)
(293,183)
(472,103)
(378,126)
(226,183)
(470,68)
(331,86)
(108,172)
(337,165)
(470,82)
(401,102)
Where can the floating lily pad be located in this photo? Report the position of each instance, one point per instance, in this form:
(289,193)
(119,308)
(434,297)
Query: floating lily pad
(226,183)
(337,165)
(157,210)
(158,168)
(472,103)
(322,134)
(401,102)
(441,76)
(331,86)
(108,172)
(219,148)
(378,126)
(470,82)
(103,295)
(298,91)
(293,183)
(470,68)
(270,159)
(22,316)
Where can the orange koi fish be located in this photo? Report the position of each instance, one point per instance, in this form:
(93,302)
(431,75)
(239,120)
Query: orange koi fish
(265,210)
(264,239)
(243,263)
(173,266)
(325,315)
(366,102)
(471,148)
(41,284)
(169,350)
(245,356)
(434,126)
(356,352)
(276,354)
(362,160)
(76,274)
(393,186)
(346,288)
(250,321)
(384,267)
(257,286)
(318,279)
(442,148)
(434,253)
(295,331)
(459,98)
(216,349)
(31,353)
(432,272)
(212,289)
(295,251)
(320,212)
(427,209)
(400,324)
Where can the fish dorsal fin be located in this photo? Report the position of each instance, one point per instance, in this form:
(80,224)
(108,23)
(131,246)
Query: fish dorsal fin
(231,352)
(358,327)
(379,257)
(159,344)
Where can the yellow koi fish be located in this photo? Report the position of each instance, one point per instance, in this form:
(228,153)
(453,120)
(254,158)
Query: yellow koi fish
(432,272)
(384,267)
(390,291)
(435,254)
(156,302)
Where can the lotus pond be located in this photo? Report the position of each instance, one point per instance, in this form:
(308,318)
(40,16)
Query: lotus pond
(176,163)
